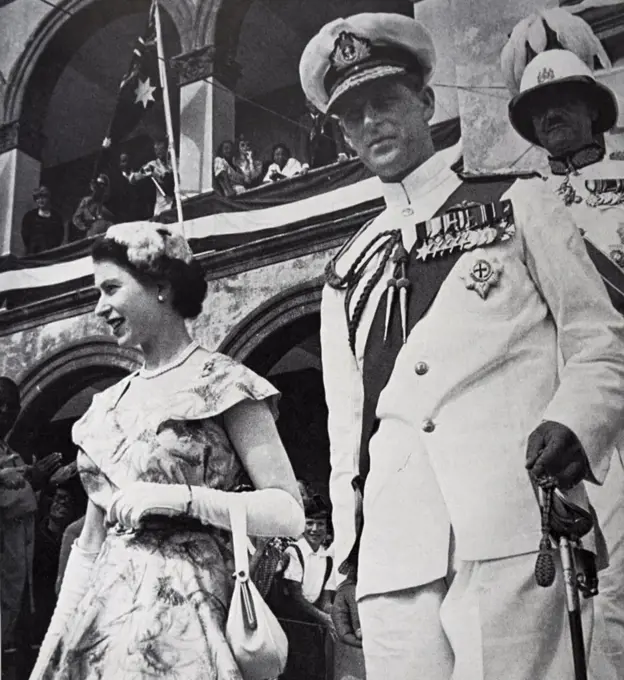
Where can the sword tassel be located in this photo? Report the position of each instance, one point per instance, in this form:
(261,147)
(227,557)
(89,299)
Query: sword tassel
(400,259)
(392,285)
(403,285)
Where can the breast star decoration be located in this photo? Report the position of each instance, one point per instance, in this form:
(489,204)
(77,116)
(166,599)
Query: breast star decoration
(482,274)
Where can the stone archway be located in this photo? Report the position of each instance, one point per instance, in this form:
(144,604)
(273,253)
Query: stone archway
(274,318)
(52,383)
(280,340)
(182,13)
(60,96)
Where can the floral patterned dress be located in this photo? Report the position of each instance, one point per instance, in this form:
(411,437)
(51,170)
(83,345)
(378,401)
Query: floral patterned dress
(158,599)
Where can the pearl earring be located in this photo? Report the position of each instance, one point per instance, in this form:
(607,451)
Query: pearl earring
(161,297)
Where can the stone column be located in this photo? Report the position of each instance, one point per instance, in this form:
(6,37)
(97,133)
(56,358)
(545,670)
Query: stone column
(19,175)
(436,15)
(207,106)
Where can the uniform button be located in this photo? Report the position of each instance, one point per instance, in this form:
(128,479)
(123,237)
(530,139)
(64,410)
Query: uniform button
(407,212)
(421,368)
(428,426)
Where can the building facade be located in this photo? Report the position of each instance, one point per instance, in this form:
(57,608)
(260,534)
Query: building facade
(233,67)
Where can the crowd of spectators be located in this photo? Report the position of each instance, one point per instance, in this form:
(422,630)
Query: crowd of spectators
(37,503)
(237,168)
(122,192)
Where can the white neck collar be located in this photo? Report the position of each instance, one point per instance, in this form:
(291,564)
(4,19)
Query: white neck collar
(421,180)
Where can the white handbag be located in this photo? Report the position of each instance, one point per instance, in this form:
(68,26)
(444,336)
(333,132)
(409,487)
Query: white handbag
(254,634)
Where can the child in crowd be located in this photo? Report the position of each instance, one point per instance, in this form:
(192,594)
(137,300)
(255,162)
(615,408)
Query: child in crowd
(308,576)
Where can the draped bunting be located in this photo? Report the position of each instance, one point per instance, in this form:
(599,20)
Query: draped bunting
(215,223)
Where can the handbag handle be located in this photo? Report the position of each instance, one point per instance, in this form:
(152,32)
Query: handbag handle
(238,525)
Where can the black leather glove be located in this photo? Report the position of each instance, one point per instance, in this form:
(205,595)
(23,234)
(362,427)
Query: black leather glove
(554,451)
(345,614)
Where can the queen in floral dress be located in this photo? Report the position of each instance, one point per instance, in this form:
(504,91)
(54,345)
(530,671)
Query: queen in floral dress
(147,586)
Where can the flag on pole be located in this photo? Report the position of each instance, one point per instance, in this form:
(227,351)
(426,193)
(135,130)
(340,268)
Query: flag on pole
(140,89)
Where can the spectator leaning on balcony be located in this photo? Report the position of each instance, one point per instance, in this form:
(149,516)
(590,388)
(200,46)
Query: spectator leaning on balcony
(42,227)
(131,198)
(247,164)
(321,141)
(160,172)
(229,180)
(284,165)
(92,217)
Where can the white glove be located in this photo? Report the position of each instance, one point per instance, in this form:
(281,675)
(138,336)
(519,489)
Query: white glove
(270,512)
(76,581)
(131,505)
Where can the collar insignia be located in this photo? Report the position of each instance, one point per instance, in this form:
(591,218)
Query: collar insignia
(349,50)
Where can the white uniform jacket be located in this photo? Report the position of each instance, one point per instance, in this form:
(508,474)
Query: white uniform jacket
(599,215)
(474,378)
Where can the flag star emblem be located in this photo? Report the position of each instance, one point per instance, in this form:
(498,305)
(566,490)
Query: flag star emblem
(144,92)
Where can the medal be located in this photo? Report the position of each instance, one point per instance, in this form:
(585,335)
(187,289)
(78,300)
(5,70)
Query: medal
(604,192)
(482,274)
(465,228)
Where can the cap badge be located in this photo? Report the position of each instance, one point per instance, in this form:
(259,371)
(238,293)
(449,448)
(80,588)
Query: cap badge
(545,75)
(349,50)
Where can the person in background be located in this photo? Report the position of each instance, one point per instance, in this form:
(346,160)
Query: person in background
(18,505)
(160,171)
(42,227)
(92,216)
(567,115)
(147,584)
(247,164)
(283,165)
(59,505)
(321,140)
(130,200)
(308,583)
(229,180)
(308,576)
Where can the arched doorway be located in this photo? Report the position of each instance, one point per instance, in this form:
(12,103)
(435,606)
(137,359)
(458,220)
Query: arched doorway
(72,92)
(59,390)
(280,341)
(54,395)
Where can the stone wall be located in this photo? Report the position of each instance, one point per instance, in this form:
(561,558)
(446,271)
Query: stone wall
(228,302)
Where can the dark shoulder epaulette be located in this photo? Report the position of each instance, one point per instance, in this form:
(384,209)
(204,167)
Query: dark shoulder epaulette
(465,176)
(332,278)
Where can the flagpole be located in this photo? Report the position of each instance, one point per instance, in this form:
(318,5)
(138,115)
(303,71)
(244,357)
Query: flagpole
(162,71)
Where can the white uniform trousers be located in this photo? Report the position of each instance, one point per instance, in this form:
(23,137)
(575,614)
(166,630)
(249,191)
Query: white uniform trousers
(493,623)
(608,645)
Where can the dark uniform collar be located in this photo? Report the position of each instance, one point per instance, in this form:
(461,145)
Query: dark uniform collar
(587,155)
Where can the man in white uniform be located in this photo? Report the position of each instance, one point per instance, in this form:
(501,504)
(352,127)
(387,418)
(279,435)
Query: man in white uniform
(440,341)
(562,109)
